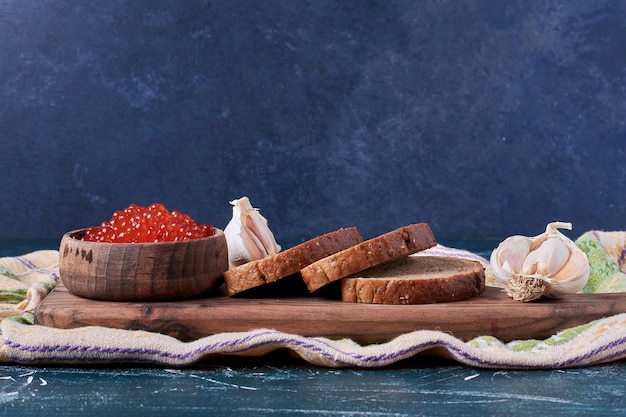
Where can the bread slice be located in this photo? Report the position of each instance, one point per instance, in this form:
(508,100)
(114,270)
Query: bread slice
(384,248)
(416,280)
(290,261)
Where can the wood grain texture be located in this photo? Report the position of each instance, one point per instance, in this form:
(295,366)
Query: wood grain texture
(142,271)
(492,313)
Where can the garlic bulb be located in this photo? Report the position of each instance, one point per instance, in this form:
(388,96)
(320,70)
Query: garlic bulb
(248,236)
(549,264)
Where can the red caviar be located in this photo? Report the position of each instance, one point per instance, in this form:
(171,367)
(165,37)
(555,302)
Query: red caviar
(136,224)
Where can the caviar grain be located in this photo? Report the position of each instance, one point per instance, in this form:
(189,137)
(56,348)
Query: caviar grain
(154,223)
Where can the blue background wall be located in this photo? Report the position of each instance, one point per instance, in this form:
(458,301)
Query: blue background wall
(482,118)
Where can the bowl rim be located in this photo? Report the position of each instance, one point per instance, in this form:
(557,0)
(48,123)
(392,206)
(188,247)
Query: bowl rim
(72,234)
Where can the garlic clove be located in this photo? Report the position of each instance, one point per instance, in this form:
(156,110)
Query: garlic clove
(547,259)
(573,277)
(261,237)
(248,235)
(514,251)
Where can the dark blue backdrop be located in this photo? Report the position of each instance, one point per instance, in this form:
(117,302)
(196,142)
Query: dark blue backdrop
(482,118)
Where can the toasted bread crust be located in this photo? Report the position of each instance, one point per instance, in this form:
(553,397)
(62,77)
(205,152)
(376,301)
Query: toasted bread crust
(388,247)
(416,280)
(289,261)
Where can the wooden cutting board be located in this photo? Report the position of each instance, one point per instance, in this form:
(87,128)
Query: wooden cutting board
(492,313)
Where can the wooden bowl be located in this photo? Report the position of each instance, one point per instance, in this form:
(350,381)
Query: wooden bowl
(142,271)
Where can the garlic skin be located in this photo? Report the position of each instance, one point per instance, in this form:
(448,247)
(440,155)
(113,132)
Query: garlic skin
(248,235)
(549,264)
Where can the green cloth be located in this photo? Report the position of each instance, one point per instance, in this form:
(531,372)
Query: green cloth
(605,252)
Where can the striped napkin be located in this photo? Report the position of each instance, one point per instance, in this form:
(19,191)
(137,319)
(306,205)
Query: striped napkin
(27,279)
